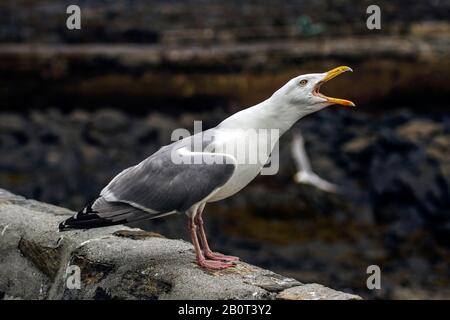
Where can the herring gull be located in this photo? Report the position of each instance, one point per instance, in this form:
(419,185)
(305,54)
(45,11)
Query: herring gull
(186,175)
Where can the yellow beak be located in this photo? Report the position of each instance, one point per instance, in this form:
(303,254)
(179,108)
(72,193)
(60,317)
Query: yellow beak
(330,75)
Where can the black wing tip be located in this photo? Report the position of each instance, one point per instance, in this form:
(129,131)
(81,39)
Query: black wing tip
(78,221)
(89,218)
(74,224)
(63,227)
(87,222)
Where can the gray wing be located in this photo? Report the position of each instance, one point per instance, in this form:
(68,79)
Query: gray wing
(158,185)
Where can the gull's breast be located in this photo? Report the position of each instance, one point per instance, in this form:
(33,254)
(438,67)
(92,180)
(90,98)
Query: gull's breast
(251,153)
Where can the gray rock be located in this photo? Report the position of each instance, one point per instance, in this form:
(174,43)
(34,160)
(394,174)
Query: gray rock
(314,291)
(119,263)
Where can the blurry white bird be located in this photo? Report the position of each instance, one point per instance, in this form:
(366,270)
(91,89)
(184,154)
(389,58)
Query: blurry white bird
(305,174)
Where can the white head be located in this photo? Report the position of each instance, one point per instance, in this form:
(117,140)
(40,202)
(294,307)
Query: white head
(302,92)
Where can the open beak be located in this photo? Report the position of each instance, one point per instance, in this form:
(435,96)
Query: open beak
(328,76)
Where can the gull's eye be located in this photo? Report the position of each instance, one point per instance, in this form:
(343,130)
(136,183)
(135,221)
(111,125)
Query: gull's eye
(303,82)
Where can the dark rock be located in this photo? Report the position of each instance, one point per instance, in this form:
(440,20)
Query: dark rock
(92,272)
(109,121)
(47,259)
(145,287)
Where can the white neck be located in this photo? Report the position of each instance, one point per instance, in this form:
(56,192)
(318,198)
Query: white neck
(272,113)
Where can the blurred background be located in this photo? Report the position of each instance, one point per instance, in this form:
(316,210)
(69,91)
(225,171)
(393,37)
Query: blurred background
(79,106)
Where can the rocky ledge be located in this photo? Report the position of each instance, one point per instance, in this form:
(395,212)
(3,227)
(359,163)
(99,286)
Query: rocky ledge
(38,262)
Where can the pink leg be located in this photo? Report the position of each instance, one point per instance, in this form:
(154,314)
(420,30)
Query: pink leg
(201,261)
(206,250)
